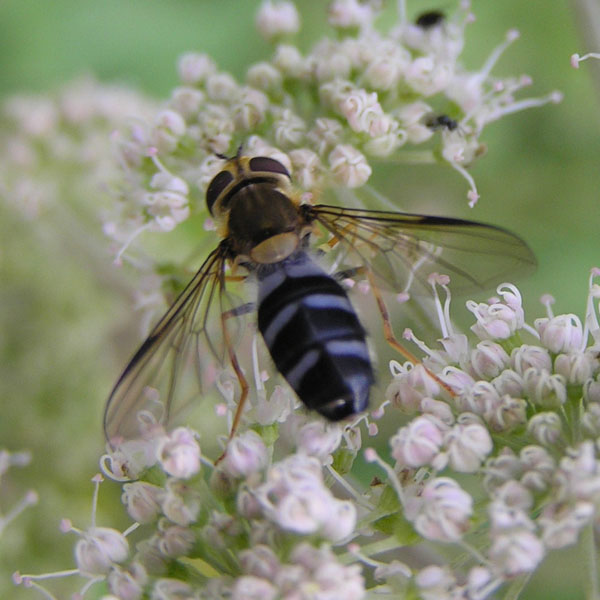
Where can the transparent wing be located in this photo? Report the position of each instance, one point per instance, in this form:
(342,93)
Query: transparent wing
(189,334)
(402,249)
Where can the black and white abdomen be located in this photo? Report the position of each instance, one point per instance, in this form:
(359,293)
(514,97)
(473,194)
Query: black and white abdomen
(314,336)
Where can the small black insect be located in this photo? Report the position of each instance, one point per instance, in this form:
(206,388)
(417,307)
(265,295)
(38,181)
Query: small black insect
(430,18)
(436,122)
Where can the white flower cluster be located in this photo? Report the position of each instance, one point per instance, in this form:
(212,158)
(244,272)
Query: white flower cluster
(361,94)
(279,517)
(57,151)
(545,395)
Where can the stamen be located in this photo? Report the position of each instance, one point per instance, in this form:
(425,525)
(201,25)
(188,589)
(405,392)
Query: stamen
(591,324)
(576,59)
(548,300)
(472,194)
(511,36)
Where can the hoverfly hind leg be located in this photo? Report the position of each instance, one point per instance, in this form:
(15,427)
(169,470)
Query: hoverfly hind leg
(391,339)
(244,387)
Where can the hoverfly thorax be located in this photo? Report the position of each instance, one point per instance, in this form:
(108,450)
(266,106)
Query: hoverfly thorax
(253,203)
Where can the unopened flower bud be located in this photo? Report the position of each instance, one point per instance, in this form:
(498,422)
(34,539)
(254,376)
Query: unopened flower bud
(99,549)
(179,453)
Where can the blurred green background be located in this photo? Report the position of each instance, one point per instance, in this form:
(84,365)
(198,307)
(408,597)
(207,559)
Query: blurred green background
(60,321)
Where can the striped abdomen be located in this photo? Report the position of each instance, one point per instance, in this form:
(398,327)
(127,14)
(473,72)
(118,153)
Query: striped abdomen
(314,336)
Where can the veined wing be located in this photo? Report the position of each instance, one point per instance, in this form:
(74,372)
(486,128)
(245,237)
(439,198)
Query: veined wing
(402,249)
(189,332)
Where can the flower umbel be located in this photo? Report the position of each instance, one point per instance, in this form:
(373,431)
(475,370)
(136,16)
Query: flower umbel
(397,94)
(300,525)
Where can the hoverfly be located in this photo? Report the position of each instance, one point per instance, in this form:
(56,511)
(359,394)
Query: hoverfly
(306,320)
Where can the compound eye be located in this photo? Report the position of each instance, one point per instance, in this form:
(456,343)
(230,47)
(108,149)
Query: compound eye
(269,165)
(215,188)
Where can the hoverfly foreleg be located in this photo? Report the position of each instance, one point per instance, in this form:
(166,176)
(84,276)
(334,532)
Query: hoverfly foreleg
(391,338)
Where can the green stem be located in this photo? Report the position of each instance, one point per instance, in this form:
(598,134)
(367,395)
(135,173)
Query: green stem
(372,549)
(588,545)
(516,587)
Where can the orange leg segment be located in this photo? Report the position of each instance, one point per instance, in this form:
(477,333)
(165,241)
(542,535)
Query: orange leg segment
(391,338)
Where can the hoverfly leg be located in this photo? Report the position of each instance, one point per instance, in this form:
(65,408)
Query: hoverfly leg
(244,387)
(390,338)
(348,273)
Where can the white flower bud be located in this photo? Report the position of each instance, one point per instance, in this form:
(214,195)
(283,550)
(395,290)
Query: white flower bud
(221,87)
(482,399)
(498,320)
(417,444)
(516,552)
(99,549)
(545,390)
(129,584)
(562,523)
(325,134)
(180,503)
(546,428)
(384,72)
(467,447)
(579,473)
(319,439)
(346,14)
(591,391)
(259,561)
(460,381)
(409,387)
(435,582)
(187,101)
(264,76)
(331,63)
(525,357)
(539,468)
(169,127)
(500,469)
(308,170)
(439,409)
(576,367)
(514,495)
(275,409)
(444,511)
(289,128)
(342,521)
(563,333)
(275,20)
(507,414)
(289,61)
(428,76)
(478,580)
(179,453)
(251,108)
(411,118)
(248,587)
(142,500)
(509,382)
(362,110)
(175,540)
(590,420)
(349,166)
(173,589)
(488,359)
(246,454)
(194,68)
